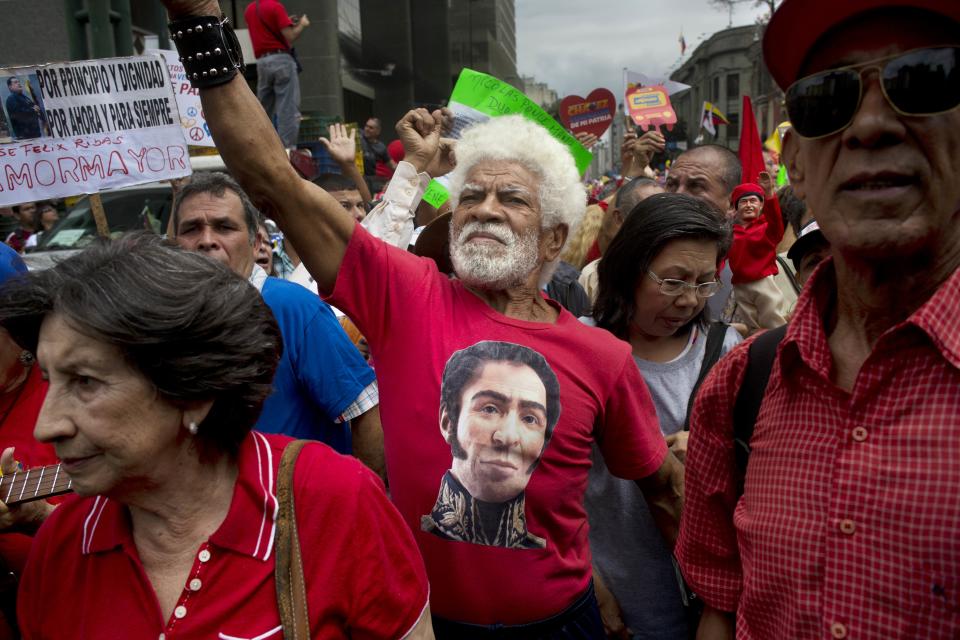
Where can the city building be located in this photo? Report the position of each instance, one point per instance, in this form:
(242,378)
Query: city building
(483,37)
(540,93)
(721,70)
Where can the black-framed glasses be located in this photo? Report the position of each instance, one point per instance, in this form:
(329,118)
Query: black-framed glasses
(671,287)
(920,82)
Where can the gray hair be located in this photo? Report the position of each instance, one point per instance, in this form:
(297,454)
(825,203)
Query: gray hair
(563,200)
(193,328)
(217,183)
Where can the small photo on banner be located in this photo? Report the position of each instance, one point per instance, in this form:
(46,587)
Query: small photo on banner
(22,106)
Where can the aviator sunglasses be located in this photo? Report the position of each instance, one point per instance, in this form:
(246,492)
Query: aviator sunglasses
(921,82)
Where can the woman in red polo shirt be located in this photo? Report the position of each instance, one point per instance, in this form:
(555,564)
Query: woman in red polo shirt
(158,362)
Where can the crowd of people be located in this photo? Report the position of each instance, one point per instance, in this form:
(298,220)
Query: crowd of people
(544,410)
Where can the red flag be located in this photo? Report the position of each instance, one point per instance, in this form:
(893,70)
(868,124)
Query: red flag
(751,150)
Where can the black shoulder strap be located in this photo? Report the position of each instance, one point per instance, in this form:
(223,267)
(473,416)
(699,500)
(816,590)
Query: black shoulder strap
(711,353)
(762,353)
(787,270)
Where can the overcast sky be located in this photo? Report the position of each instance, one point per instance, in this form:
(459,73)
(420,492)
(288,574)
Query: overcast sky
(576,46)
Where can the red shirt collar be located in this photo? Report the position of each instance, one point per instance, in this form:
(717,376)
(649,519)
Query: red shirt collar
(938,318)
(249,526)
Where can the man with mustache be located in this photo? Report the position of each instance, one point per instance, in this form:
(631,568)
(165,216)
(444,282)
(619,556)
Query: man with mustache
(517,196)
(499,405)
(845,523)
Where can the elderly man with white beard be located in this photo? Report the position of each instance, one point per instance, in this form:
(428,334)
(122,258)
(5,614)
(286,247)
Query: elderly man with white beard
(517,197)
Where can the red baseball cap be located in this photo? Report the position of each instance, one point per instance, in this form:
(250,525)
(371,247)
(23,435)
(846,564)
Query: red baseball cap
(797,25)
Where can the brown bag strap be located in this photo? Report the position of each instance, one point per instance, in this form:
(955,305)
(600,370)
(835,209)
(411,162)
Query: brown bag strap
(291,586)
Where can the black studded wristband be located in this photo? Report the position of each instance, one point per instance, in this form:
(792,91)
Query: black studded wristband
(208,48)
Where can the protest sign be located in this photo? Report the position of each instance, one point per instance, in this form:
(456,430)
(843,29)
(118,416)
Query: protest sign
(591,115)
(650,107)
(478,97)
(437,192)
(95,124)
(633,79)
(194,124)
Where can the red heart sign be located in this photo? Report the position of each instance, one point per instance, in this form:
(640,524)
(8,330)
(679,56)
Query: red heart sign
(591,115)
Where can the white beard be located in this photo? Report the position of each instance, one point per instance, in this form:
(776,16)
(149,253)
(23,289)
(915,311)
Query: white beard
(489,266)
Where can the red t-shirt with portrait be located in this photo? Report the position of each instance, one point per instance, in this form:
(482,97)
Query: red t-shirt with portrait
(415,320)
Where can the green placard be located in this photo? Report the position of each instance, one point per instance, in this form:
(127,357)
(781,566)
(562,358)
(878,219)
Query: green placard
(436,194)
(494,97)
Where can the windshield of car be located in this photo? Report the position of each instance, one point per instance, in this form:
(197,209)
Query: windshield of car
(126,210)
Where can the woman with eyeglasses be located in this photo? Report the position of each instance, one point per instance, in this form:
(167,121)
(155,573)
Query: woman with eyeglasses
(654,281)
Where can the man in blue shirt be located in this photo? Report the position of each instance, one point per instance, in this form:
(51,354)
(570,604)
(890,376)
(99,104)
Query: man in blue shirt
(23,112)
(322,382)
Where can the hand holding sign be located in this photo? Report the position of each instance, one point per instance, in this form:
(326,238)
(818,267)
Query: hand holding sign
(645,146)
(592,115)
(650,107)
(445,159)
(586,139)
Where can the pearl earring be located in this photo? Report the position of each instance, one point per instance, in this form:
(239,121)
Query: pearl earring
(193,428)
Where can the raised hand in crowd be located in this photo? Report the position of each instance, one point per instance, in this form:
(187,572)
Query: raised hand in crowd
(342,147)
(767,183)
(445,159)
(342,143)
(645,146)
(26,517)
(447,116)
(419,131)
(626,153)
(586,139)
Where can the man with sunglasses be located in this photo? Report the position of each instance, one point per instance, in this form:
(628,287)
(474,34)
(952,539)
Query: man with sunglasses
(848,522)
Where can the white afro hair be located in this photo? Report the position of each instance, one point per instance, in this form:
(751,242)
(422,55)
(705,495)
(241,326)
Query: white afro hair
(563,199)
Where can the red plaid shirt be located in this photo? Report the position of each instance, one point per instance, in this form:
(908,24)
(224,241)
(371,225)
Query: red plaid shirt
(849,525)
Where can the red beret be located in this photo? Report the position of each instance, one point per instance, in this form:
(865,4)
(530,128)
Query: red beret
(797,25)
(746,189)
